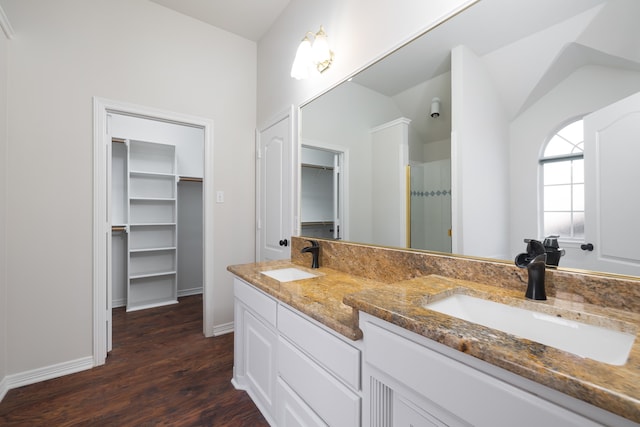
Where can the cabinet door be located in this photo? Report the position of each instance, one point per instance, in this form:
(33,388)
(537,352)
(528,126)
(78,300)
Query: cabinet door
(260,362)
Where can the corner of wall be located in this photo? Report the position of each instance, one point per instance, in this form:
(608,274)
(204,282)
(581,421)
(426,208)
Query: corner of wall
(4,44)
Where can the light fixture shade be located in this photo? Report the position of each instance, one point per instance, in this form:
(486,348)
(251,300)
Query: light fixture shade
(300,67)
(321,54)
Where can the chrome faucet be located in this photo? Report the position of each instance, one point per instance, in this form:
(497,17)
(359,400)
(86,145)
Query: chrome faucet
(535,260)
(315,252)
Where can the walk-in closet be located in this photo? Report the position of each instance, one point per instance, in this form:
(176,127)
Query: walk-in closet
(156,205)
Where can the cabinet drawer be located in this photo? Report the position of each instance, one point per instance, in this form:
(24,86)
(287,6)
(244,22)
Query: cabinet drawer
(337,356)
(292,411)
(456,388)
(331,400)
(257,301)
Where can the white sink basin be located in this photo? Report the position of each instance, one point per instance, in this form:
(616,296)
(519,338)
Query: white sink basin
(594,342)
(288,274)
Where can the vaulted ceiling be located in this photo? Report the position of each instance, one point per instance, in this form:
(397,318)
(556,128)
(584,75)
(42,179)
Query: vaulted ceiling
(247,18)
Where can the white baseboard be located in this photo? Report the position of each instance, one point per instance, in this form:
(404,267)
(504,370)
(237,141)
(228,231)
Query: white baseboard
(225,328)
(122,302)
(4,388)
(46,373)
(190,291)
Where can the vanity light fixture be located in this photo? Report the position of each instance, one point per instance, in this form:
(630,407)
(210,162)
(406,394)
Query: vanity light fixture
(313,55)
(435,107)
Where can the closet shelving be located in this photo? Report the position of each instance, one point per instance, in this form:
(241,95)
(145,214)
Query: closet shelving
(152,213)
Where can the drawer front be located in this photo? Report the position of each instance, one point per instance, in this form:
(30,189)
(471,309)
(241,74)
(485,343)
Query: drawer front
(257,301)
(474,396)
(292,411)
(331,400)
(334,354)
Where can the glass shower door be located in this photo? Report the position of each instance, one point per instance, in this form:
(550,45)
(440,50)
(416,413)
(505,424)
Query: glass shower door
(431,205)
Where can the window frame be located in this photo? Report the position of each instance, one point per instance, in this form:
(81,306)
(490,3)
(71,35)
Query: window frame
(542,160)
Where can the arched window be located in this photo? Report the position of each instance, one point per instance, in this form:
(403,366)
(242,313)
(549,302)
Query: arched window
(562,165)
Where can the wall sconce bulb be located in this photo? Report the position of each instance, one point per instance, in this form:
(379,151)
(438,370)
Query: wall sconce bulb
(313,55)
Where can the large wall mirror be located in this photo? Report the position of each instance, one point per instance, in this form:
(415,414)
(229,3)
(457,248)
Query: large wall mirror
(445,141)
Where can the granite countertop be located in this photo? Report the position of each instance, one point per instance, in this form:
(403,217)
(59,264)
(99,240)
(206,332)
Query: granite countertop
(334,299)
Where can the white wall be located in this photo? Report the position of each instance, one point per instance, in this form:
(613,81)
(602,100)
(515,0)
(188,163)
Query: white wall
(390,155)
(345,117)
(480,152)
(359,32)
(134,51)
(3,208)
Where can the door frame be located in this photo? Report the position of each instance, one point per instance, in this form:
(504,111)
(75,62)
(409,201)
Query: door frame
(101,219)
(343,185)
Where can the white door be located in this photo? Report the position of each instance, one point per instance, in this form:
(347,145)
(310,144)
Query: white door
(275,190)
(612,174)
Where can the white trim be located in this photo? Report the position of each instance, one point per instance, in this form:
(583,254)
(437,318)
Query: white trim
(48,372)
(197,290)
(101,227)
(225,328)
(294,147)
(6,25)
(401,120)
(4,388)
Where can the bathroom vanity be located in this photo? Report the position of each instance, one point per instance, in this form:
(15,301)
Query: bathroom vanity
(356,344)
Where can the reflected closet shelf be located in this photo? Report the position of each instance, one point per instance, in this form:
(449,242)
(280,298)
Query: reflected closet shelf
(152,199)
(173,248)
(152,174)
(152,224)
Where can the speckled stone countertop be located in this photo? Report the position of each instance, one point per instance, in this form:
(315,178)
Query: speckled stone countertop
(335,297)
(319,297)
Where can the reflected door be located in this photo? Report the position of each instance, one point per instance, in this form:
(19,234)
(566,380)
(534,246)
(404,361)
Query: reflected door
(612,206)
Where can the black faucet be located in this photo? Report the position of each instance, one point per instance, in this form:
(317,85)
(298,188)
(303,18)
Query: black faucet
(553,251)
(315,252)
(535,260)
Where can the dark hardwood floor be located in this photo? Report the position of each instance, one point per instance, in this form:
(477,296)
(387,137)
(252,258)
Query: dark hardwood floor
(162,372)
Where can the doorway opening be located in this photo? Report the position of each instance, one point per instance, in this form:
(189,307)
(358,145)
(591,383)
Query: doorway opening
(104,111)
(323,176)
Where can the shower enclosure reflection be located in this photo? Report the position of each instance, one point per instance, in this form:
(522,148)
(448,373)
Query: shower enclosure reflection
(431,205)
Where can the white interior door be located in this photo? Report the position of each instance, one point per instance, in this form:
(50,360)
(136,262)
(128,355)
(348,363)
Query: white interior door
(612,206)
(274,198)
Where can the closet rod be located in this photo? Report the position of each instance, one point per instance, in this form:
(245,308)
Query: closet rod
(118,140)
(118,228)
(190,179)
(307,165)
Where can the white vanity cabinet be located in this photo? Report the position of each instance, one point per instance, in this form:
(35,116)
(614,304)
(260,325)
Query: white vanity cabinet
(409,380)
(321,368)
(255,342)
(297,371)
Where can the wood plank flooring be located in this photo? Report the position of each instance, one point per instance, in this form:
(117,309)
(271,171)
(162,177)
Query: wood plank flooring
(161,372)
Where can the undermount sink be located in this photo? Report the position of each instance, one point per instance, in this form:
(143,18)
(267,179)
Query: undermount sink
(593,342)
(288,274)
